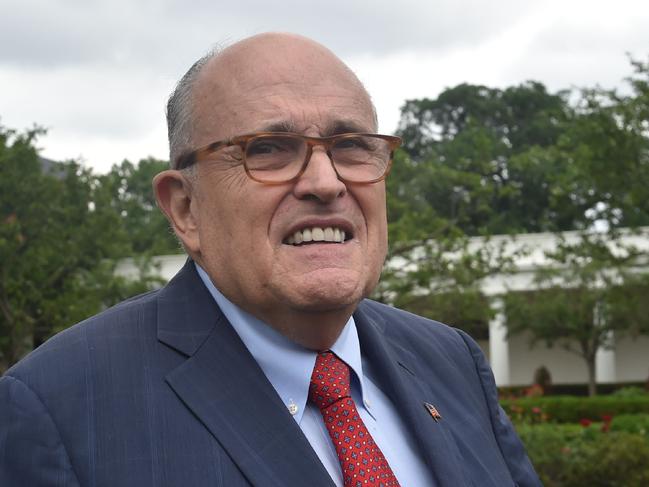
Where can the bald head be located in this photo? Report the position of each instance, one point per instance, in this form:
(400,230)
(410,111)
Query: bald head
(219,85)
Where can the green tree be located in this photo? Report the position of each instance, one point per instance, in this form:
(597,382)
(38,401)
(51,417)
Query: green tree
(133,199)
(484,161)
(440,278)
(59,236)
(605,151)
(432,268)
(604,158)
(590,292)
(520,116)
(480,147)
(460,174)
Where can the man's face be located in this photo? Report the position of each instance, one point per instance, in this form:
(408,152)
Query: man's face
(244,226)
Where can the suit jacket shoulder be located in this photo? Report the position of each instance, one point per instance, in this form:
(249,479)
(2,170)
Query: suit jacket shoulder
(156,391)
(435,364)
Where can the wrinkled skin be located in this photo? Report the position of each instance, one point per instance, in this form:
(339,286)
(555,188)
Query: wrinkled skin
(236,228)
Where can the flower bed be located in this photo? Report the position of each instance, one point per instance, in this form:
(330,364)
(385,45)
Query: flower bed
(572,409)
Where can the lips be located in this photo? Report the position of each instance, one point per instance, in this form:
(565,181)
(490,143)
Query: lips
(331,234)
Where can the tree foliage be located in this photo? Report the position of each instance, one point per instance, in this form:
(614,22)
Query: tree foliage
(605,153)
(481,161)
(132,197)
(480,147)
(59,236)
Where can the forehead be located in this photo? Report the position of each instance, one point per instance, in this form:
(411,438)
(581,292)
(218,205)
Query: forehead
(301,89)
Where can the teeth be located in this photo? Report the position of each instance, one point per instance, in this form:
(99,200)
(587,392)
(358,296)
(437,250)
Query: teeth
(317,234)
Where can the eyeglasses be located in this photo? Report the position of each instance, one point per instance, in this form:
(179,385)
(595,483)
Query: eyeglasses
(282,157)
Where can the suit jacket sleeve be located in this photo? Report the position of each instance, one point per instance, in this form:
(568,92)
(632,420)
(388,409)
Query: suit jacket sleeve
(31,450)
(510,445)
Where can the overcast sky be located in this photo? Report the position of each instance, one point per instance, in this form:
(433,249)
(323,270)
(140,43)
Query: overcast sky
(96,73)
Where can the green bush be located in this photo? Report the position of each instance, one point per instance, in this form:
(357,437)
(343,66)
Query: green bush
(573,456)
(572,409)
(630,391)
(632,423)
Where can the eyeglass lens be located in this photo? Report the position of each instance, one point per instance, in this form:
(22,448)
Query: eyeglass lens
(357,158)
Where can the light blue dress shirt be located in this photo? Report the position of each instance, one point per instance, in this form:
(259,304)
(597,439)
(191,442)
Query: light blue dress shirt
(288,367)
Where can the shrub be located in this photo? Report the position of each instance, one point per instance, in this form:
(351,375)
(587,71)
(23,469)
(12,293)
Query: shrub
(572,409)
(632,423)
(630,391)
(573,456)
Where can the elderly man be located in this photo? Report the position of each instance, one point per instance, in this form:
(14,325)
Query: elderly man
(261,363)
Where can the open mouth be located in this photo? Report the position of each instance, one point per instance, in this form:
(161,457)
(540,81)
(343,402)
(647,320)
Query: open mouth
(318,235)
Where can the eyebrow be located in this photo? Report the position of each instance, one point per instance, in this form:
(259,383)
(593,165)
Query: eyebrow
(334,128)
(345,127)
(281,126)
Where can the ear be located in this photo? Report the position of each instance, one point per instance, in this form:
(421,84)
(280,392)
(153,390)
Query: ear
(173,192)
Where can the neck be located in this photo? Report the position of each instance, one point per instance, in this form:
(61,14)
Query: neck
(315,330)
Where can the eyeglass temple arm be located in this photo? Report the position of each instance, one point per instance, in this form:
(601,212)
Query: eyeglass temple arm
(188,159)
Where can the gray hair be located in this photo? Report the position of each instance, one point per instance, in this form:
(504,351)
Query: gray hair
(179,109)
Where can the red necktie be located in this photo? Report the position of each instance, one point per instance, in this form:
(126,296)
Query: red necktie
(362,462)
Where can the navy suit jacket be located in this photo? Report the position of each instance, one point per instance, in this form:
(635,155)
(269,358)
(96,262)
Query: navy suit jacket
(160,391)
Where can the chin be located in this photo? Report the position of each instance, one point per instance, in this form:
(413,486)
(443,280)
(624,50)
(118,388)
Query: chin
(327,293)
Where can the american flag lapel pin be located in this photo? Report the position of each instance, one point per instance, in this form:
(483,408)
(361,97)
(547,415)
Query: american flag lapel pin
(432,410)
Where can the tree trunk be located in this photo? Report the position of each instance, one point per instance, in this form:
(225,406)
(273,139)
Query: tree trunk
(592,385)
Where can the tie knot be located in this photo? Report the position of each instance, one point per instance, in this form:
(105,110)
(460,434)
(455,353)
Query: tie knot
(329,381)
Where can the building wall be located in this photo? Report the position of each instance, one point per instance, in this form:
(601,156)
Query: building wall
(631,362)
(632,359)
(564,367)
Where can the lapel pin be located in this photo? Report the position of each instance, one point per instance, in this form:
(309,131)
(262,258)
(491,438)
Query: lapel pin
(432,410)
(292,407)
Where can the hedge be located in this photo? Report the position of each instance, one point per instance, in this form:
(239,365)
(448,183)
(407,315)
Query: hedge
(632,423)
(572,409)
(569,455)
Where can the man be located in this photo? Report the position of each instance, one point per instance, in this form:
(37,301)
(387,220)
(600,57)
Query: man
(261,363)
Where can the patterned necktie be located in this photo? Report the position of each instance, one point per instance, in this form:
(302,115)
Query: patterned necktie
(362,462)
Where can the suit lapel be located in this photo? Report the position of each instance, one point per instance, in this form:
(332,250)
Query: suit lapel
(228,392)
(396,369)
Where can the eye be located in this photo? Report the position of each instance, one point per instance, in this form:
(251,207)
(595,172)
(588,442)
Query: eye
(269,146)
(353,143)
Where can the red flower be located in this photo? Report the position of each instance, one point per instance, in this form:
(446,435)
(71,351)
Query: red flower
(534,391)
(607,418)
(536,410)
(585,422)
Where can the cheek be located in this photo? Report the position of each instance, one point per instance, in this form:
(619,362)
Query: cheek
(373,207)
(381,225)
(237,227)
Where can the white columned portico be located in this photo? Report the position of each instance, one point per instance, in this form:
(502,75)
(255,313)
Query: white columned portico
(499,345)
(605,361)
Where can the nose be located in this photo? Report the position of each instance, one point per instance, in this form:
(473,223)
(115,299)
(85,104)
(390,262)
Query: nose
(319,180)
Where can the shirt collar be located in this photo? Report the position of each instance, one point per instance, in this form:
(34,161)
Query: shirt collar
(287,365)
